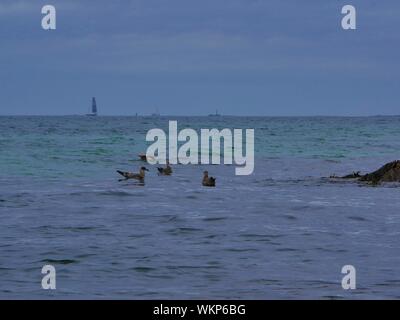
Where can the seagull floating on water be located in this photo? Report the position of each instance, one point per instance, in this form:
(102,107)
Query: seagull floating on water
(137,176)
(144,157)
(208,181)
(165,171)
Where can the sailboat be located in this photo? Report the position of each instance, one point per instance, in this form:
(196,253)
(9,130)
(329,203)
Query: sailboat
(94,108)
(156,114)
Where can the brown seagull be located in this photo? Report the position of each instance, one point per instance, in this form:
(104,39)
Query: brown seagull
(167,171)
(137,176)
(208,181)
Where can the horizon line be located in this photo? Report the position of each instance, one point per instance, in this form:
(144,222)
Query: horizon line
(196,115)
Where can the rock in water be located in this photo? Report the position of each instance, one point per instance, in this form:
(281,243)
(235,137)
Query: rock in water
(390,172)
(354,175)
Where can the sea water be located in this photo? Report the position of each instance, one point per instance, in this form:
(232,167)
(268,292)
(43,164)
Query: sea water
(285,231)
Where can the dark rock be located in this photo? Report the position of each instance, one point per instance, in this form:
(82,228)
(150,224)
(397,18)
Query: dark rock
(354,175)
(390,172)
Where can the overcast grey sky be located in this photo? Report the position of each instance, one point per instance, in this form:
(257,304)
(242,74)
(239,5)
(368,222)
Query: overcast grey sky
(184,57)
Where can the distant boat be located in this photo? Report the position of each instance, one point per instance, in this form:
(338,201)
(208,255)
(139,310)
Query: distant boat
(214,115)
(156,114)
(94,108)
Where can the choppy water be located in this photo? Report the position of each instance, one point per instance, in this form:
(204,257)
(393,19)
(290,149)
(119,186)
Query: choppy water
(283,232)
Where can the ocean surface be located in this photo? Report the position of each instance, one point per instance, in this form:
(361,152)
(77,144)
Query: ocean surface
(285,231)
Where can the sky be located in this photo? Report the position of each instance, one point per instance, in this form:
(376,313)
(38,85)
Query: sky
(187,57)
